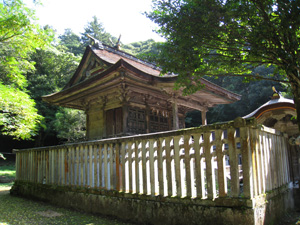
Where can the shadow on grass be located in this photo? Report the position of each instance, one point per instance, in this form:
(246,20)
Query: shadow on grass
(17,210)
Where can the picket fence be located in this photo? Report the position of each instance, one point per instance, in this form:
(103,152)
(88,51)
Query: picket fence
(237,159)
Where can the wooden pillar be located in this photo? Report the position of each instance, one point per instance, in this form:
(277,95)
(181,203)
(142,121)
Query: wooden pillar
(125,116)
(103,101)
(147,119)
(175,113)
(87,124)
(203,115)
(104,134)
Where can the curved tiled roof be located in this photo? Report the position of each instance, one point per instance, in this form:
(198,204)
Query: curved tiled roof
(145,72)
(273,104)
(112,56)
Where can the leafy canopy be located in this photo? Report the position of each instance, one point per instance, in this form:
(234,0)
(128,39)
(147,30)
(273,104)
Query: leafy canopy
(232,37)
(19,37)
(96,29)
(54,67)
(72,41)
(18,116)
(70,124)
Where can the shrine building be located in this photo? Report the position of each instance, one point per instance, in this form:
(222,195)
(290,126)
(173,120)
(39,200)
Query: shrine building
(123,95)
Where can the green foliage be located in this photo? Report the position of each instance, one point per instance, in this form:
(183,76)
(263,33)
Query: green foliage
(254,94)
(230,38)
(54,67)
(19,37)
(18,116)
(70,124)
(95,29)
(72,42)
(226,37)
(146,50)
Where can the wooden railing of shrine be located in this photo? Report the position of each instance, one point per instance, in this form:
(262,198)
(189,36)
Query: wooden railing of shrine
(188,163)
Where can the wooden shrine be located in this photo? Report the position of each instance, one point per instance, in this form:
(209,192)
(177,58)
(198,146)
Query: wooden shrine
(277,113)
(123,95)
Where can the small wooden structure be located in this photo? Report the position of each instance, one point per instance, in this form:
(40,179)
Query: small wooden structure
(123,95)
(277,113)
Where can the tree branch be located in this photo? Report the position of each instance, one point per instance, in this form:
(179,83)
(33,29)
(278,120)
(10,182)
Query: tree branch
(243,75)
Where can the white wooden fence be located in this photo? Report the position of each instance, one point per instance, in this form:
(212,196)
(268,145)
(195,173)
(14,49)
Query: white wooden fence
(187,163)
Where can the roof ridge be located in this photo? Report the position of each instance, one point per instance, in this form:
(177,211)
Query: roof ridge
(126,55)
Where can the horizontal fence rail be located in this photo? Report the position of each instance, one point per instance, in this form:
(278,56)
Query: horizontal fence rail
(235,159)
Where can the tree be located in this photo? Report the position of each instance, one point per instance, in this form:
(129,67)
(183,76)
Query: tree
(230,38)
(18,115)
(19,37)
(54,67)
(145,50)
(254,94)
(96,30)
(70,124)
(72,42)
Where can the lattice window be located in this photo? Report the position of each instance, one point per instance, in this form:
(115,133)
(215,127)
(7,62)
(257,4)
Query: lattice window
(158,122)
(136,122)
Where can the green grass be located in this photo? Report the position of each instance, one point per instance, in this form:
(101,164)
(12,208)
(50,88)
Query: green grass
(7,174)
(17,210)
(8,171)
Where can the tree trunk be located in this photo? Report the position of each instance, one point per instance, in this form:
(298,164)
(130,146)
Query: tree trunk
(296,93)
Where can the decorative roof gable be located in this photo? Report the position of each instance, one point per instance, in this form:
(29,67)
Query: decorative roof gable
(103,69)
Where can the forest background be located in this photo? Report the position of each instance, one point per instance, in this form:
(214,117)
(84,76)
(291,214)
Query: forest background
(35,62)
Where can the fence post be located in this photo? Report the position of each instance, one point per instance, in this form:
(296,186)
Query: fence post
(151,161)
(246,162)
(168,165)
(177,165)
(233,160)
(144,166)
(187,165)
(160,166)
(221,164)
(210,178)
(136,159)
(198,166)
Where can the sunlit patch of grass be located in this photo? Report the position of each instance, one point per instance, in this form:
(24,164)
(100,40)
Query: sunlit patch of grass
(8,171)
(5,186)
(17,210)
(7,176)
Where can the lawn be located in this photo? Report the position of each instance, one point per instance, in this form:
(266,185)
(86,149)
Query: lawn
(7,174)
(17,210)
